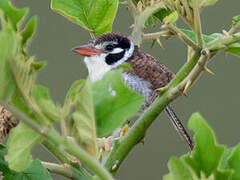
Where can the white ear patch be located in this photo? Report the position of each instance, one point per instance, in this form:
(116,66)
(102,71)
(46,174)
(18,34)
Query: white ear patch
(127,55)
(117,50)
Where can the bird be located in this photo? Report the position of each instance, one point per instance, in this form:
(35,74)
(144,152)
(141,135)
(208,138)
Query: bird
(109,51)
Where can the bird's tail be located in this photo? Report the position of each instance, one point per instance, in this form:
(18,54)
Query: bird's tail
(179,126)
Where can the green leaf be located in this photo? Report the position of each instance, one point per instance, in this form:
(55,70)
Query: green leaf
(3,164)
(234,163)
(179,170)
(206,38)
(162,13)
(12,15)
(171,18)
(234,49)
(24,73)
(35,172)
(226,155)
(207,154)
(151,21)
(95,16)
(8,49)
(70,103)
(84,127)
(29,31)
(46,104)
(38,66)
(223,174)
(204,3)
(235,20)
(19,103)
(114,103)
(20,142)
(72,95)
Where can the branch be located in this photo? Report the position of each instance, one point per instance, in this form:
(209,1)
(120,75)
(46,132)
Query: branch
(140,19)
(55,138)
(223,42)
(189,80)
(66,170)
(132,8)
(182,36)
(58,169)
(156,35)
(61,155)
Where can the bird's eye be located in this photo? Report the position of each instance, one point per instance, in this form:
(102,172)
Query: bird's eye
(109,47)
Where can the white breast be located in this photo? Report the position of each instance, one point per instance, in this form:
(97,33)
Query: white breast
(97,67)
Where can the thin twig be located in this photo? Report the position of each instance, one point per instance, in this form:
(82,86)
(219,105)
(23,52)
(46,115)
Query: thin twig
(153,36)
(187,10)
(132,8)
(197,24)
(63,170)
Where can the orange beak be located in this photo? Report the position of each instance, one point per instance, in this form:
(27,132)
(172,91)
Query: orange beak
(87,50)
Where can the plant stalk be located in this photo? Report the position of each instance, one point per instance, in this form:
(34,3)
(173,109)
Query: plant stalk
(55,138)
(197,24)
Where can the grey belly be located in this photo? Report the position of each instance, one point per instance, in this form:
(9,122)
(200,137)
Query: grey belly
(140,86)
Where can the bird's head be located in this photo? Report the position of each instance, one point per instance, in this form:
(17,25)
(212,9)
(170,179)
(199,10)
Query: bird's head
(104,53)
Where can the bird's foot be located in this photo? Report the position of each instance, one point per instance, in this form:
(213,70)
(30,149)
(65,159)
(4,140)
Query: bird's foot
(107,143)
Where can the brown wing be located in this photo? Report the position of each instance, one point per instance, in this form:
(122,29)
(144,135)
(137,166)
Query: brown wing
(148,68)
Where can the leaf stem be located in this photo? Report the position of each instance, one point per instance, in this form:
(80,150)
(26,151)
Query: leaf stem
(59,142)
